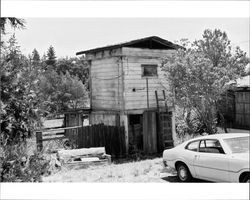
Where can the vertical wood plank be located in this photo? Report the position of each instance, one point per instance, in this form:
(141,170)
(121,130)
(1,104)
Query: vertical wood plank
(145,132)
(87,134)
(39,141)
(116,141)
(79,138)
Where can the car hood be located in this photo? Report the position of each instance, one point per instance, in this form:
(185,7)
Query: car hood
(242,156)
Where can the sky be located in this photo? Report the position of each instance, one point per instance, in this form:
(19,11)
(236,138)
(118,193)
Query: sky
(70,35)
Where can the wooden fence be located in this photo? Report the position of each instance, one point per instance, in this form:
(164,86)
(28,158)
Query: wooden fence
(100,135)
(110,137)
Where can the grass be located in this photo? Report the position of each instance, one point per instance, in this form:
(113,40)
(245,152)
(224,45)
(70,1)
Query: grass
(150,170)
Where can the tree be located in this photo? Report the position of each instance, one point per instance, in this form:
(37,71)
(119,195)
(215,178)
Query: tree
(75,67)
(35,56)
(14,23)
(51,56)
(19,113)
(199,75)
(61,92)
(18,103)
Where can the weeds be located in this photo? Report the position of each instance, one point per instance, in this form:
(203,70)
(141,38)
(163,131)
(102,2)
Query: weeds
(18,164)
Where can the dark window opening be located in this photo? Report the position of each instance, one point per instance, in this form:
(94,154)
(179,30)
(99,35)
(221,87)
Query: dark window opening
(135,119)
(149,70)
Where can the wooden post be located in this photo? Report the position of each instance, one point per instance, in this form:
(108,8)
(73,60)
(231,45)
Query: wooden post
(157,101)
(147,94)
(164,97)
(39,141)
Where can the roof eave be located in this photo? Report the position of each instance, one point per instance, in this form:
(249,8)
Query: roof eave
(127,44)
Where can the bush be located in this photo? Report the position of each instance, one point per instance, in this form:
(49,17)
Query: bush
(188,123)
(17,166)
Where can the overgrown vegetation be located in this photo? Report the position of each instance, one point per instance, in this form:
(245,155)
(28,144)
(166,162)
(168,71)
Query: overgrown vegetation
(18,166)
(198,75)
(31,87)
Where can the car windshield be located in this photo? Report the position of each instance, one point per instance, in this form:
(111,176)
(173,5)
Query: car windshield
(238,144)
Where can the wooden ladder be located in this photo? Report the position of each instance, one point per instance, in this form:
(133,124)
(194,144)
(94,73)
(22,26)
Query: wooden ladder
(160,108)
(165,138)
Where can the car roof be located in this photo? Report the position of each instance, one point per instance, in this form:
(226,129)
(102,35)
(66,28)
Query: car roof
(222,136)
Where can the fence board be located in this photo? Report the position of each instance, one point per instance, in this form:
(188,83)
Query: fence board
(110,137)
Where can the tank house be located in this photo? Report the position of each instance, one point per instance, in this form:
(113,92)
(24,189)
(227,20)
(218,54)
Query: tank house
(128,88)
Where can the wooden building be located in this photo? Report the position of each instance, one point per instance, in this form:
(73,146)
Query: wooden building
(242,103)
(124,79)
(236,104)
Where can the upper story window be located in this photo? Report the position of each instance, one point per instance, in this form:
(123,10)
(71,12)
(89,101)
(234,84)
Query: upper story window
(149,70)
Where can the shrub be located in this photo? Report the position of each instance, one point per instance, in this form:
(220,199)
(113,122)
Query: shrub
(17,166)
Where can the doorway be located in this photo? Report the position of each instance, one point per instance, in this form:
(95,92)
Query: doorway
(135,132)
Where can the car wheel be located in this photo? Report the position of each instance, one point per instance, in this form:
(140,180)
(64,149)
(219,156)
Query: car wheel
(183,173)
(246,179)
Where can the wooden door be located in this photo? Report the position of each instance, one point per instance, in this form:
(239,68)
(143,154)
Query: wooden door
(149,132)
(165,138)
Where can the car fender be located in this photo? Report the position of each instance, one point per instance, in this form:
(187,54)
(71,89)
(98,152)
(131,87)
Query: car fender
(235,176)
(189,165)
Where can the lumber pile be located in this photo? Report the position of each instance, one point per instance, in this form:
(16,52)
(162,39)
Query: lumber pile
(84,156)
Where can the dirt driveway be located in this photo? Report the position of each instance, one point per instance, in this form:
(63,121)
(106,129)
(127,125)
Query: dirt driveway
(150,170)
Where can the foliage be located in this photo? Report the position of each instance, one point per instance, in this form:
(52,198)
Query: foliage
(74,66)
(51,56)
(187,123)
(61,91)
(19,111)
(17,166)
(19,114)
(62,83)
(35,57)
(199,75)
(14,23)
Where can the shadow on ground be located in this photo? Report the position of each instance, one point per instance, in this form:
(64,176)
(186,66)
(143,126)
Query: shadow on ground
(174,179)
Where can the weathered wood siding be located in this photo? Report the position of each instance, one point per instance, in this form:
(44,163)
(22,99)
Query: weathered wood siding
(149,132)
(132,61)
(114,75)
(106,83)
(242,109)
(104,118)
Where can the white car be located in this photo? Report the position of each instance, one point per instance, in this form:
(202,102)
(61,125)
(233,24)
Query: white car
(217,158)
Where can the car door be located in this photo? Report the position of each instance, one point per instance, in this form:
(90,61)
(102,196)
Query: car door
(190,154)
(212,163)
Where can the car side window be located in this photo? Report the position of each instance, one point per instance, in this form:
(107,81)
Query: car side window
(193,146)
(211,146)
(202,147)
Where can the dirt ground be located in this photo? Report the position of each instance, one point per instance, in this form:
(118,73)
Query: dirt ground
(150,170)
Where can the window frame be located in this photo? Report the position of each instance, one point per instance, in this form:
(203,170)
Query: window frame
(149,65)
(216,140)
(198,145)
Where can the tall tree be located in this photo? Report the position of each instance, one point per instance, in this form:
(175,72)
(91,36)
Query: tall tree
(35,56)
(199,75)
(18,104)
(51,56)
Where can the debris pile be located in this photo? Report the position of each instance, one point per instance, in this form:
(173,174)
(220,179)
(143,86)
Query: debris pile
(84,156)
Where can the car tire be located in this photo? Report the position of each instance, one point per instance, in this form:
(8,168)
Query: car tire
(183,173)
(246,179)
